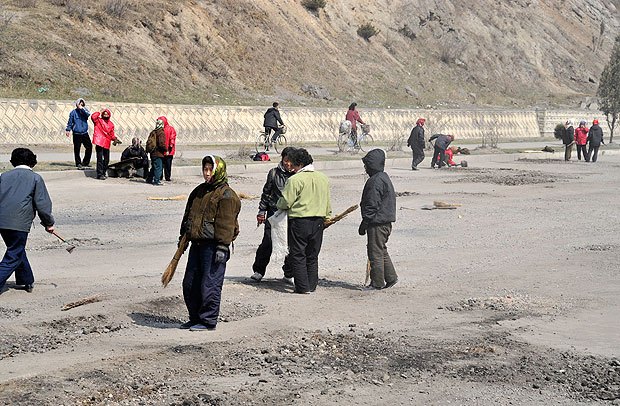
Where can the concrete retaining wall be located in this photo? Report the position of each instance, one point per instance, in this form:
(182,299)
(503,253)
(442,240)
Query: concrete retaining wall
(44,121)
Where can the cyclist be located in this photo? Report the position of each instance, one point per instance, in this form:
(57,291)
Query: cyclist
(353,116)
(272,119)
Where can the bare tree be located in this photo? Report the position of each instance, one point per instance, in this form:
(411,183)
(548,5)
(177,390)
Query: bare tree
(609,89)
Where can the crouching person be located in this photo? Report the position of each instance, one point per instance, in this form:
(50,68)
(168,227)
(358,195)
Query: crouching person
(22,193)
(210,223)
(378,207)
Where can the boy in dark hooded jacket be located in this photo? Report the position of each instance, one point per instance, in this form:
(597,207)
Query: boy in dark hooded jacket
(378,207)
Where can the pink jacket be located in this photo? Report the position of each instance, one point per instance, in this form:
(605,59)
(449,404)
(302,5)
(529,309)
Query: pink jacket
(171,136)
(581,135)
(103,134)
(353,116)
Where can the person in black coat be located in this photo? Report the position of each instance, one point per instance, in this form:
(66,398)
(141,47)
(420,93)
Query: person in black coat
(272,119)
(568,139)
(378,207)
(439,153)
(595,139)
(272,191)
(416,141)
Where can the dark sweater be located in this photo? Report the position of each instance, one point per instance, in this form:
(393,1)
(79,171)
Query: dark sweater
(22,193)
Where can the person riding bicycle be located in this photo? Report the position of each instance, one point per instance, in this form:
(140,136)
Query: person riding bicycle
(272,119)
(353,116)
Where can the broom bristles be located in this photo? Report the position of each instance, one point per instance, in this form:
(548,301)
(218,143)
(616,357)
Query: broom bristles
(172,266)
(329,221)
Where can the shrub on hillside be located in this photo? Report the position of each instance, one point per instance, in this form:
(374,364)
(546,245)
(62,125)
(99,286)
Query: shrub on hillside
(367,31)
(117,8)
(76,9)
(314,5)
(558,131)
(27,3)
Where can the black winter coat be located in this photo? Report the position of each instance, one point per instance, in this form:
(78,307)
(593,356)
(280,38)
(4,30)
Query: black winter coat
(569,135)
(416,139)
(272,191)
(378,205)
(443,141)
(595,136)
(272,118)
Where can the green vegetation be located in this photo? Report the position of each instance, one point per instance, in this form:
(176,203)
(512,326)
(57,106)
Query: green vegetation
(367,31)
(314,5)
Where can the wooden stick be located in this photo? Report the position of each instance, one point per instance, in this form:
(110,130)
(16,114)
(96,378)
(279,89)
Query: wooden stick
(179,197)
(329,221)
(81,302)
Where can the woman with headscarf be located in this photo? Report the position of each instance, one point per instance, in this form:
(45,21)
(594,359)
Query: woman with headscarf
(103,136)
(210,224)
(417,142)
(156,146)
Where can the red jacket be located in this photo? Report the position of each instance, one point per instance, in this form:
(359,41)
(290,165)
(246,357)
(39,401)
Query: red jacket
(171,136)
(103,133)
(581,135)
(353,116)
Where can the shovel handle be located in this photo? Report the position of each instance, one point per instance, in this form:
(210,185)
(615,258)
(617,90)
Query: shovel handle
(59,237)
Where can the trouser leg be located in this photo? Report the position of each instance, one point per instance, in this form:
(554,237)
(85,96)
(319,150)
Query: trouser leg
(100,161)
(315,240)
(418,157)
(212,282)
(441,160)
(77,144)
(88,149)
(436,155)
(157,169)
(568,150)
(595,154)
(192,282)
(297,242)
(263,252)
(15,259)
(168,167)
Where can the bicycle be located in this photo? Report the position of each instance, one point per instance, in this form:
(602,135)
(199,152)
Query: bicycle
(347,143)
(264,142)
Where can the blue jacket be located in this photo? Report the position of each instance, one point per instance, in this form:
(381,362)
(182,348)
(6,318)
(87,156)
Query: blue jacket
(22,192)
(78,120)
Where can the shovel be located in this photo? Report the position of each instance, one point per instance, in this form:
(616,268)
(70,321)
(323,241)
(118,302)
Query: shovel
(70,248)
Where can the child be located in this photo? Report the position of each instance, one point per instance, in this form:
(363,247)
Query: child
(378,207)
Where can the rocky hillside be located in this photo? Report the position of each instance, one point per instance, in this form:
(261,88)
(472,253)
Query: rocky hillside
(446,53)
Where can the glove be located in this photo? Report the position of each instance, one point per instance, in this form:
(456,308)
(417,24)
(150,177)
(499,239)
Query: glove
(362,229)
(221,256)
(261,217)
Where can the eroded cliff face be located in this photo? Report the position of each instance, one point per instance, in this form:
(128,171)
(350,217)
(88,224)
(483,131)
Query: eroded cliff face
(442,52)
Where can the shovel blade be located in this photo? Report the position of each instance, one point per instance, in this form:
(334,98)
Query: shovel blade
(70,249)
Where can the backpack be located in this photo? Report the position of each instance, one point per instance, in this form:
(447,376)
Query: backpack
(261,156)
(151,143)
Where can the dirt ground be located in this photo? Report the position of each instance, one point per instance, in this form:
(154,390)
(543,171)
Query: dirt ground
(512,298)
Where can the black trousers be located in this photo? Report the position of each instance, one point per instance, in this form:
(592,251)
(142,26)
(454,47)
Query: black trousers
(305,237)
(202,283)
(592,153)
(167,160)
(439,157)
(276,132)
(581,149)
(103,160)
(417,156)
(263,253)
(80,139)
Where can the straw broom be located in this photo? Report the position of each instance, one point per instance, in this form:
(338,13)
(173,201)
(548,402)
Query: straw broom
(329,221)
(172,266)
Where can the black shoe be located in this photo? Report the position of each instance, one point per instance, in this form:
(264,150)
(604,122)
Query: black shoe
(413,168)
(80,167)
(390,284)
(28,288)
(201,327)
(187,325)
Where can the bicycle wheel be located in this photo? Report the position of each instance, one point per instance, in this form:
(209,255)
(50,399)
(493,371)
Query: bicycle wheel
(343,142)
(280,143)
(366,142)
(261,145)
